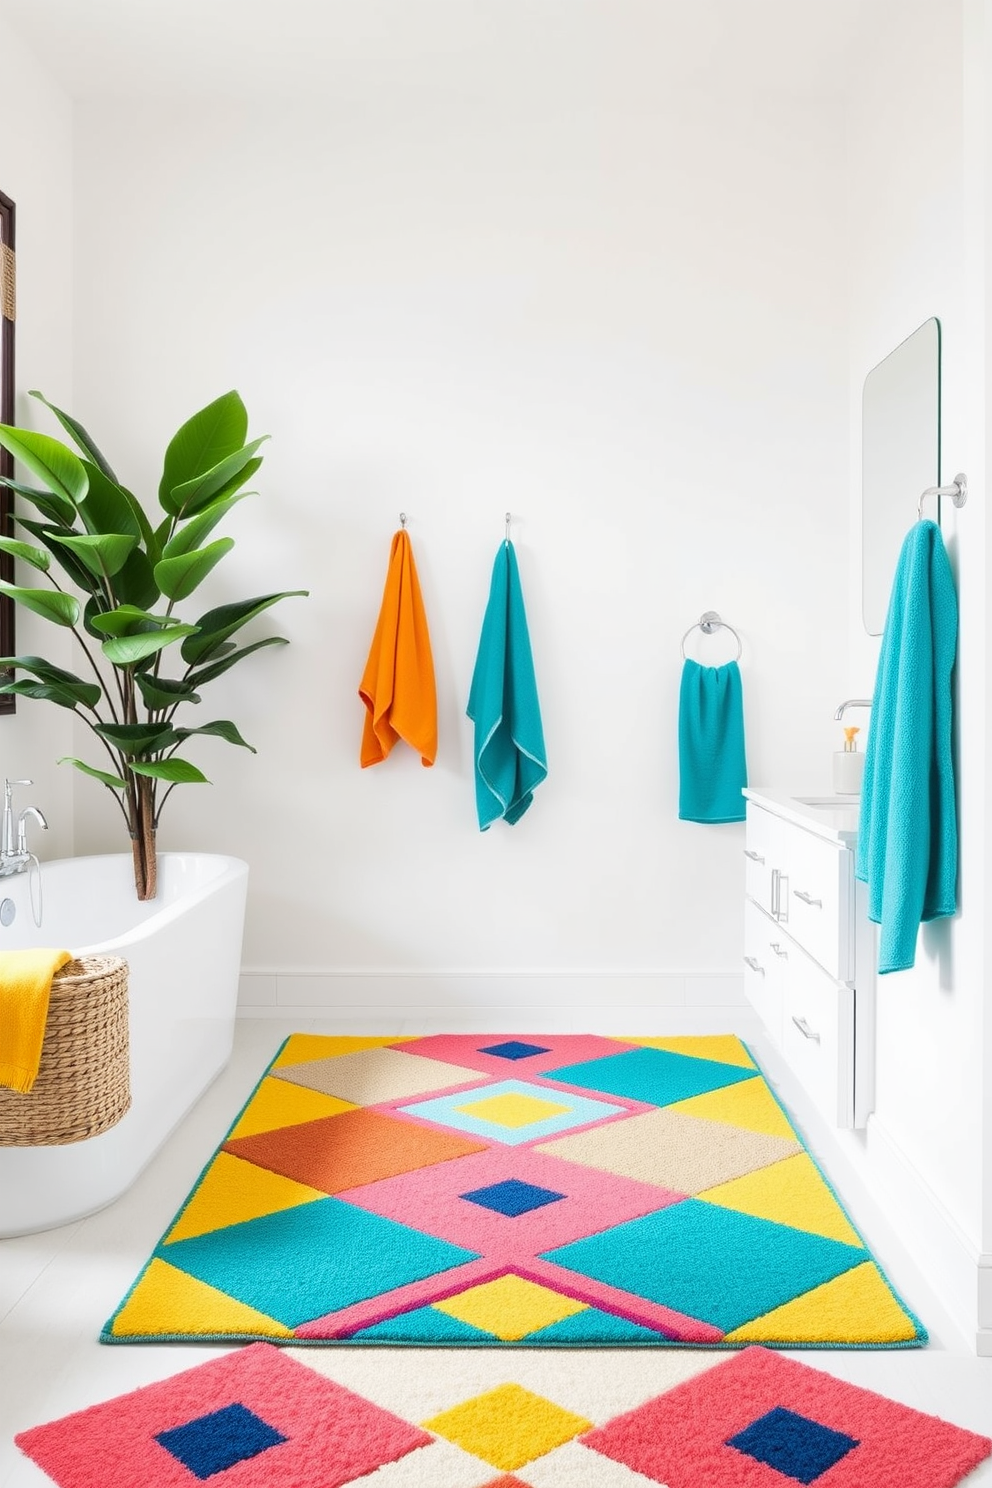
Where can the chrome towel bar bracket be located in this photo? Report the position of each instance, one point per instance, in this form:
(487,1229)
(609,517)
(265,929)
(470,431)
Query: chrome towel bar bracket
(957,491)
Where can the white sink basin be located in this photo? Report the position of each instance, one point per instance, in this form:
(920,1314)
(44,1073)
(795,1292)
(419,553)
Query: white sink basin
(828,803)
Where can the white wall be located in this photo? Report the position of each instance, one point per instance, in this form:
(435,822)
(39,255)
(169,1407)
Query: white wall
(616,311)
(917,161)
(36,172)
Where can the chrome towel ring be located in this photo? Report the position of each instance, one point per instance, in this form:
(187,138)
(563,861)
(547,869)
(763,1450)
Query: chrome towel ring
(708,623)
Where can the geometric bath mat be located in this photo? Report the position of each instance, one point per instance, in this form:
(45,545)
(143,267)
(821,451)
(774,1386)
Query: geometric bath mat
(559,1191)
(258,1418)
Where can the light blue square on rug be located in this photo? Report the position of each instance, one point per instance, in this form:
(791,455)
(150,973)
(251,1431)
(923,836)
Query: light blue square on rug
(655,1076)
(300,1263)
(708,1262)
(445,1110)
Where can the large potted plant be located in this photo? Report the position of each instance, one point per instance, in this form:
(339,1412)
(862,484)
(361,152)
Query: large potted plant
(143,662)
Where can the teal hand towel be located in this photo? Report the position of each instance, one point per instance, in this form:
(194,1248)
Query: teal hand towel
(510,760)
(712,763)
(907,850)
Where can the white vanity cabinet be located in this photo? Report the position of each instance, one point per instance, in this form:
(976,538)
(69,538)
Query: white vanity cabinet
(808,949)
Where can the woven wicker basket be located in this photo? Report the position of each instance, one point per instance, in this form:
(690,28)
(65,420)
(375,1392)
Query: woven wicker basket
(83,1084)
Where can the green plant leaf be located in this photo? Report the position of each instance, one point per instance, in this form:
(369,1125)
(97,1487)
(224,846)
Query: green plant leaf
(163,692)
(227,475)
(217,668)
(136,738)
(51,506)
(135,583)
(192,533)
(60,608)
(88,693)
(223,728)
(48,691)
(67,561)
(37,557)
(128,649)
(179,771)
(104,554)
(178,577)
(114,781)
(127,619)
(106,506)
(208,437)
(216,625)
(77,433)
(49,460)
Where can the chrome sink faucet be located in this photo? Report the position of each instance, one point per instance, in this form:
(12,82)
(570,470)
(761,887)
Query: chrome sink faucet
(14,854)
(852,703)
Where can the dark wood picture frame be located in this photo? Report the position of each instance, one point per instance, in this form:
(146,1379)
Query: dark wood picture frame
(7,216)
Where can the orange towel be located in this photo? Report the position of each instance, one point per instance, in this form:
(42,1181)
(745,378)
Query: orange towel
(25,986)
(398,685)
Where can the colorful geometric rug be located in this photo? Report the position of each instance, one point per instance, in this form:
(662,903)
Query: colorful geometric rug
(560,1191)
(258,1418)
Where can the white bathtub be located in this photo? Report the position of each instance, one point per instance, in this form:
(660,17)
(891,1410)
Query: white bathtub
(184,952)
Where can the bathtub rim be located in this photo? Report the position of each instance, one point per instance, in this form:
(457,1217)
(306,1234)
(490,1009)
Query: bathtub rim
(231,871)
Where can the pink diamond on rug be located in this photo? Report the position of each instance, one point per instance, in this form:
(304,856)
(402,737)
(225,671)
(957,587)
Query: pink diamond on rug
(251,1419)
(521,1058)
(758,1420)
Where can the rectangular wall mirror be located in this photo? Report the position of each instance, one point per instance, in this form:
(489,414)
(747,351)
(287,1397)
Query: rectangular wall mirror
(900,458)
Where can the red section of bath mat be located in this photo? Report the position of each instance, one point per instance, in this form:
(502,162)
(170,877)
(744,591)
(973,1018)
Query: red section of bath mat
(681,1438)
(329,1436)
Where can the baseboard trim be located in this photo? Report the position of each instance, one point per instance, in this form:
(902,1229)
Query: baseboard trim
(271,991)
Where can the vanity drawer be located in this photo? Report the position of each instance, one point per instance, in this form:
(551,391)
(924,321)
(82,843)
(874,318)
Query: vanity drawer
(765,958)
(818,1037)
(815,901)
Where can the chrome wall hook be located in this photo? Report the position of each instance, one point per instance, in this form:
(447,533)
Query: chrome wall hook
(507,535)
(403,520)
(957,491)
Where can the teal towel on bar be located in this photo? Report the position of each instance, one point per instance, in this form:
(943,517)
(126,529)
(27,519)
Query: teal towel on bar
(907,850)
(712,764)
(510,760)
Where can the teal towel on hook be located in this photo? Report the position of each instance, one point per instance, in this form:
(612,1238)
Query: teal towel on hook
(907,851)
(509,755)
(712,762)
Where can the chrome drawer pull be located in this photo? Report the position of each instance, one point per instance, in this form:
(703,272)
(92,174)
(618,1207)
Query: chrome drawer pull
(805,1029)
(778,950)
(802,894)
(780,906)
(754,965)
(755,857)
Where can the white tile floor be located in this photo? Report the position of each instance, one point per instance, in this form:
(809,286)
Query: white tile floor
(57,1288)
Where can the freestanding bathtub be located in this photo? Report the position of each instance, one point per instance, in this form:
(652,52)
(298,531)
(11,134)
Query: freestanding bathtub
(184,952)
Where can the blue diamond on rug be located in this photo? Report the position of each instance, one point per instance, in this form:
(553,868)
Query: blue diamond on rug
(212,1443)
(512,1197)
(684,1256)
(793,1445)
(654,1076)
(315,1258)
(515,1049)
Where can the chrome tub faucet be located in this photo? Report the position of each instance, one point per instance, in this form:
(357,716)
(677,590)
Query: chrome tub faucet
(852,703)
(14,854)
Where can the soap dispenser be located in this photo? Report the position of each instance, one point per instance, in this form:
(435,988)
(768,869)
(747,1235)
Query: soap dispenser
(849,766)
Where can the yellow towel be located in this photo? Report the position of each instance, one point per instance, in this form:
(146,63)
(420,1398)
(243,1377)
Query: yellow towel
(25,985)
(398,686)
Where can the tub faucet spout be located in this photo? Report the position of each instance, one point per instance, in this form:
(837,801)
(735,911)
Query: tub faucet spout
(852,703)
(14,855)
